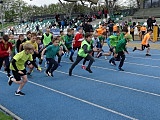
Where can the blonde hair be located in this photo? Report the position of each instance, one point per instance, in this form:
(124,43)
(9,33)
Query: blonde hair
(28,46)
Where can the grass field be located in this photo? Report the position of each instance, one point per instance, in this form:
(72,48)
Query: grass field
(3,116)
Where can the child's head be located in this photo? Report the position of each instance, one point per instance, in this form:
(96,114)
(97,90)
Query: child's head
(33,37)
(28,47)
(38,40)
(69,31)
(28,34)
(61,32)
(125,30)
(58,37)
(5,38)
(104,34)
(150,31)
(128,37)
(95,35)
(88,36)
(72,31)
(21,37)
(47,30)
(55,41)
(11,36)
(80,29)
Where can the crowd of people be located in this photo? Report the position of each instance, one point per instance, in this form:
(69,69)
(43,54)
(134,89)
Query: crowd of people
(28,52)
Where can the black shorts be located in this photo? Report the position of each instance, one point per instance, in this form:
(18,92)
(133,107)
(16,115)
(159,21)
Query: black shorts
(17,76)
(111,49)
(28,62)
(145,46)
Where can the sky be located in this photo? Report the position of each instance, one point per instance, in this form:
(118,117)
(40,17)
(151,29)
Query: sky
(41,2)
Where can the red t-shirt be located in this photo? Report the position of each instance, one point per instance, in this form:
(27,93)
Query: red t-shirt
(78,39)
(4,48)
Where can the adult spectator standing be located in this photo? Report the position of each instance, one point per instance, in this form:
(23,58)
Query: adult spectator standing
(149,23)
(153,21)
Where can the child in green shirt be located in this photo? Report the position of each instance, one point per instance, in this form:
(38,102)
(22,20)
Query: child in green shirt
(17,66)
(13,42)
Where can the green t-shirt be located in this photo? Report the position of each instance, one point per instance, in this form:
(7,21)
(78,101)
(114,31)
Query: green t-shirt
(51,51)
(101,38)
(21,59)
(68,41)
(121,45)
(13,43)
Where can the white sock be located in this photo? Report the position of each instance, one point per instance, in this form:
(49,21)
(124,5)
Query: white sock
(18,90)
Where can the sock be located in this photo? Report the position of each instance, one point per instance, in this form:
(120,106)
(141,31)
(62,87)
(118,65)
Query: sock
(18,90)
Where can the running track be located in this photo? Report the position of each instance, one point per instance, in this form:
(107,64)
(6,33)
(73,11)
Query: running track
(106,94)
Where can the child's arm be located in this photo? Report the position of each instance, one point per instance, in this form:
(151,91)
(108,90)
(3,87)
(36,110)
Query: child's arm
(20,47)
(42,54)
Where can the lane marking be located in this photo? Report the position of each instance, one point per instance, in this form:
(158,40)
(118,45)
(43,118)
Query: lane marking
(84,101)
(132,63)
(112,84)
(81,100)
(138,74)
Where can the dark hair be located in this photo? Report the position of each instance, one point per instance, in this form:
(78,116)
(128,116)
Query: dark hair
(149,30)
(61,31)
(33,34)
(38,38)
(5,38)
(28,32)
(88,35)
(69,30)
(125,29)
(21,35)
(54,39)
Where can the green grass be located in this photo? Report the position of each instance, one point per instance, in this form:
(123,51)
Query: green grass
(3,116)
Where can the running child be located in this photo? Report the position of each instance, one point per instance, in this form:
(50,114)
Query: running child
(19,71)
(13,42)
(5,52)
(84,53)
(68,43)
(145,43)
(51,52)
(121,49)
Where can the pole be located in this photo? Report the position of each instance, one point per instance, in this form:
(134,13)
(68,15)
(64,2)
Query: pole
(1,2)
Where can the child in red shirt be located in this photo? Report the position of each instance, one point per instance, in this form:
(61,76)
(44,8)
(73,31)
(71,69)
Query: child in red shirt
(5,52)
(78,38)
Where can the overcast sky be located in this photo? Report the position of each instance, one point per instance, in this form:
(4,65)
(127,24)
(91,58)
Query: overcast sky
(41,2)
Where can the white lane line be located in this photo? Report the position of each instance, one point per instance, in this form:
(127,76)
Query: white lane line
(81,100)
(155,77)
(112,84)
(142,65)
(146,58)
(84,101)
(133,63)
(132,73)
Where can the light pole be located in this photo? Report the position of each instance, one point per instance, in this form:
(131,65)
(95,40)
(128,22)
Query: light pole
(1,2)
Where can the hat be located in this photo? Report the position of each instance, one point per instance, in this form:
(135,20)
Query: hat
(129,37)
